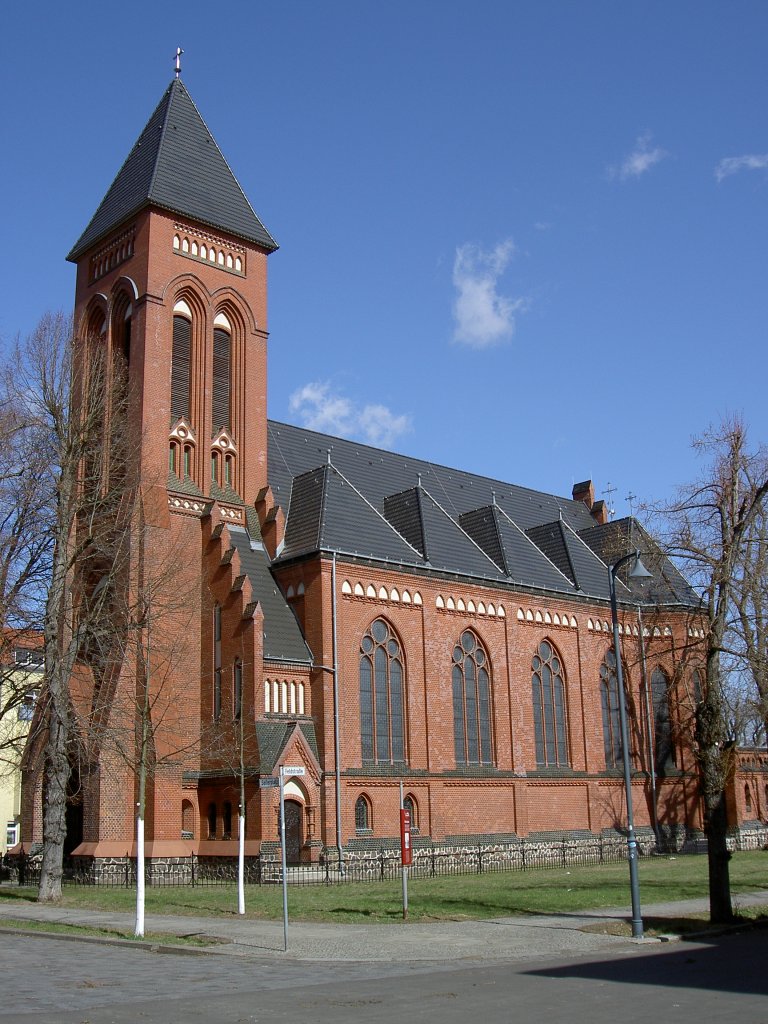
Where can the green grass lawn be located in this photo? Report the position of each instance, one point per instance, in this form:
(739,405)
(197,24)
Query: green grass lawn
(454,898)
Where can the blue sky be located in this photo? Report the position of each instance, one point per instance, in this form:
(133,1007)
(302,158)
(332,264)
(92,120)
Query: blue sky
(524,238)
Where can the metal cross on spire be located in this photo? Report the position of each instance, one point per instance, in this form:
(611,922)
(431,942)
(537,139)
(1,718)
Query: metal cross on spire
(179,52)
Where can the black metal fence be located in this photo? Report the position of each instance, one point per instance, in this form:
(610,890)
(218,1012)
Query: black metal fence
(429,861)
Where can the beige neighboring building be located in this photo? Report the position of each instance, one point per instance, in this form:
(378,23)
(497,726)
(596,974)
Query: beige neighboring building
(25,670)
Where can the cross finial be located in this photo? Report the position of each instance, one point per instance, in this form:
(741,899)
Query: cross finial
(179,52)
(610,490)
(631,499)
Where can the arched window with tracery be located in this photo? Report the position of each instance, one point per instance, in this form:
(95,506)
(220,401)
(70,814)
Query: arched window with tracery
(549,713)
(609,700)
(471,701)
(382,700)
(663,748)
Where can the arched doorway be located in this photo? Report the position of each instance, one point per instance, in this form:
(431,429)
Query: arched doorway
(294,831)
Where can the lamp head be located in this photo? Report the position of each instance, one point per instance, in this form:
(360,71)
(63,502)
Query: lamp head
(637,570)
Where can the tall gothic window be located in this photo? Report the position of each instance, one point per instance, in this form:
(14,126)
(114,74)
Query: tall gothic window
(609,699)
(222,358)
(471,702)
(549,707)
(180,366)
(663,750)
(382,726)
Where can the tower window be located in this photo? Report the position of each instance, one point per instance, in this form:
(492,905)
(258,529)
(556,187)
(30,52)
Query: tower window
(222,357)
(180,364)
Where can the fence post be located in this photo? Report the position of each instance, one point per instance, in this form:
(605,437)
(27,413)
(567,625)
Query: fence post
(433,869)
(381,865)
(602,855)
(564,863)
(522,843)
(192,865)
(479,860)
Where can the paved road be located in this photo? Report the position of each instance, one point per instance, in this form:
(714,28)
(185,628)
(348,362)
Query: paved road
(48,981)
(506,938)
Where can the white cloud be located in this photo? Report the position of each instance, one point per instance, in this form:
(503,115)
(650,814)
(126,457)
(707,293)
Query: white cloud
(483,316)
(733,164)
(639,161)
(321,409)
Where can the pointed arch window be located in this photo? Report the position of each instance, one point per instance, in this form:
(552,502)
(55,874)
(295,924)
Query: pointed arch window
(409,804)
(663,749)
(222,373)
(362,815)
(382,725)
(471,701)
(609,700)
(549,719)
(181,357)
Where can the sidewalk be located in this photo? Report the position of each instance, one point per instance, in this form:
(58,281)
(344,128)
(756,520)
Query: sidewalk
(506,938)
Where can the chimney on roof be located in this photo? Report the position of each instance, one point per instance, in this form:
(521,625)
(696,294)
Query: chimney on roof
(600,511)
(585,491)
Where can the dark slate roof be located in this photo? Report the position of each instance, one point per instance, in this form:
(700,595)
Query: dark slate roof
(446,545)
(613,540)
(272,738)
(512,550)
(573,557)
(326,513)
(377,474)
(176,165)
(283,640)
(410,513)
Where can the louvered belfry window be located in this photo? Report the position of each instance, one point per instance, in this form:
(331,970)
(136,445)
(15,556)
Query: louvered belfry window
(222,348)
(181,358)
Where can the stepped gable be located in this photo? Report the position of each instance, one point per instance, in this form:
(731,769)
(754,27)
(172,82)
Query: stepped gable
(283,640)
(175,165)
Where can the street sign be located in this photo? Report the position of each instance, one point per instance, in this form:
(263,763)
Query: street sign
(295,770)
(269,782)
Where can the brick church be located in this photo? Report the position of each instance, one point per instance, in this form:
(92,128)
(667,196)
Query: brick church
(369,617)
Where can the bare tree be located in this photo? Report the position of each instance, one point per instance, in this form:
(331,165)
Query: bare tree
(708,529)
(750,628)
(73,398)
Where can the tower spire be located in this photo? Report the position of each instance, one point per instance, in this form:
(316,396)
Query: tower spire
(179,52)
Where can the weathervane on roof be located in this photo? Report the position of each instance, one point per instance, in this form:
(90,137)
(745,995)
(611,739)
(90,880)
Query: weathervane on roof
(179,52)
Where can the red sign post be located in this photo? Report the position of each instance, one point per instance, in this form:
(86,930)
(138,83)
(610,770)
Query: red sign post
(406,851)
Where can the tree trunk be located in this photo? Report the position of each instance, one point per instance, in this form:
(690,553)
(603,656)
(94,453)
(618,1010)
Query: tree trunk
(55,781)
(716,828)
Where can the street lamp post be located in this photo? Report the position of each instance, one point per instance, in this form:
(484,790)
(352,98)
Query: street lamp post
(638,571)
